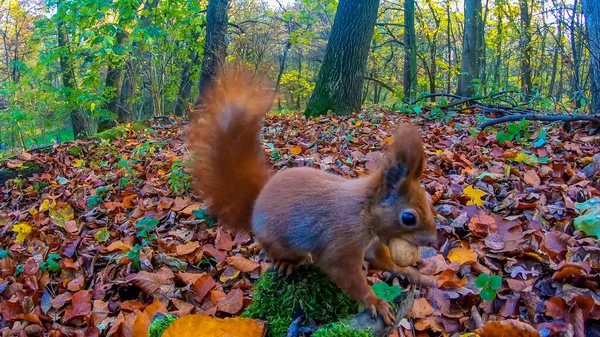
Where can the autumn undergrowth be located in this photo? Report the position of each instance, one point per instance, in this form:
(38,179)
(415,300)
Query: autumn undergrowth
(275,298)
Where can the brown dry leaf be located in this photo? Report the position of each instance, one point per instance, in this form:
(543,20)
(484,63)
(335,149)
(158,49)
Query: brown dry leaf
(150,283)
(242,264)
(532,179)
(81,305)
(448,279)
(232,303)
(202,287)
(118,245)
(509,327)
(205,326)
(223,240)
(462,255)
(142,322)
(187,248)
(216,295)
(482,224)
(421,309)
(189,278)
(556,307)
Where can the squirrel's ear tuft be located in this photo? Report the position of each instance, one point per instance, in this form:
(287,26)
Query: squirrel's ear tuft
(407,148)
(393,176)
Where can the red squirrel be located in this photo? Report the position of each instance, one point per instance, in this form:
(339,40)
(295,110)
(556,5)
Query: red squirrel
(305,214)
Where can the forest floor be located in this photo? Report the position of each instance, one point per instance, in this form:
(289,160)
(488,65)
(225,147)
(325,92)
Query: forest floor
(111,228)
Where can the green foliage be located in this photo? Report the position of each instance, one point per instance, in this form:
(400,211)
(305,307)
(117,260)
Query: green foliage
(386,292)
(341,330)
(514,131)
(589,221)
(488,285)
(102,235)
(4,254)
(179,181)
(134,256)
(144,226)
(19,269)
(202,215)
(51,263)
(160,323)
(94,200)
(275,298)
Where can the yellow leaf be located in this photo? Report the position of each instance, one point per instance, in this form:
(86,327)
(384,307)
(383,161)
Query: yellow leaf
(142,322)
(197,325)
(439,152)
(359,123)
(462,255)
(229,274)
(295,150)
(475,194)
(79,163)
(46,205)
(60,216)
(388,140)
(22,229)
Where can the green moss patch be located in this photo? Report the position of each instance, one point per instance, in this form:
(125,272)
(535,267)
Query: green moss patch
(341,330)
(276,296)
(160,323)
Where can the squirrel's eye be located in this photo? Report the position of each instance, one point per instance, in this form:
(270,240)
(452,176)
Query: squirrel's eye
(408,218)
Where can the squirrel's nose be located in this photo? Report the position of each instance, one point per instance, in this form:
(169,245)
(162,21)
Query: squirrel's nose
(428,239)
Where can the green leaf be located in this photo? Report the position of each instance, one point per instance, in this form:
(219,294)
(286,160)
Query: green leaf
(386,292)
(53,266)
(102,235)
(62,180)
(416,109)
(495,282)
(4,254)
(541,139)
(94,200)
(201,215)
(514,128)
(54,257)
(504,137)
(20,268)
(487,294)
(481,281)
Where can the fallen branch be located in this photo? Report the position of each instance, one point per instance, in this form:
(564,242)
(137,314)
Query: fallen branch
(441,94)
(383,84)
(537,117)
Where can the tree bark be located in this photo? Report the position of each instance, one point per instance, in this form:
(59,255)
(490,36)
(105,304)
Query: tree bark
(114,84)
(185,87)
(78,118)
(410,51)
(215,48)
(340,80)
(591,10)
(472,48)
(575,94)
(498,42)
(526,83)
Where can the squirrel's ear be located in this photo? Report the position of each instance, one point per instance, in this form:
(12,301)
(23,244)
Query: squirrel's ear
(407,148)
(393,177)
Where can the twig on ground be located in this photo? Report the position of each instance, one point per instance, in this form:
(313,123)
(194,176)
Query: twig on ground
(538,117)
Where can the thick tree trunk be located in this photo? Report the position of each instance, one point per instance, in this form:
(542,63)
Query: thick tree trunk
(472,48)
(215,48)
(340,81)
(526,83)
(591,10)
(78,118)
(410,51)
(114,84)
(575,94)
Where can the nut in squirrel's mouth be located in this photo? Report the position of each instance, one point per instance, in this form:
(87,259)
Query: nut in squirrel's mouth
(404,253)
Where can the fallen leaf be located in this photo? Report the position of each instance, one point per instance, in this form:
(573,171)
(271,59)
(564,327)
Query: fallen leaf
(242,264)
(475,194)
(420,309)
(232,303)
(448,279)
(142,322)
(151,283)
(295,150)
(532,179)
(462,255)
(202,287)
(187,248)
(223,240)
(205,326)
(509,327)
(81,305)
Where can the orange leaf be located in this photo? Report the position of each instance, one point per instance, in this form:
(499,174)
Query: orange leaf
(508,327)
(295,150)
(151,282)
(142,322)
(200,325)
(215,296)
(531,178)
(421,309)
(81,305)
(232,303)
(118,245)
(462,255)
(189,278)
(187,248)
(128,201)
(202,286)
(448,279)
(242,264)
(188,210)
(223,240)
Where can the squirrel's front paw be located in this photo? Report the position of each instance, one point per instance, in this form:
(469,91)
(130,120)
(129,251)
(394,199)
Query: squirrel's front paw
(383,308)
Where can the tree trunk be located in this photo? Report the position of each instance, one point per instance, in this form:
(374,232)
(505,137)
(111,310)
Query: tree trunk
(555,58)
(78,118)
(185,87)
(449,85)
(282,61)
(410,51)
(114,84)
(341,77)
(498,41)
(215,48)
(526,83)
(472,48)
(575,94)
(591,10)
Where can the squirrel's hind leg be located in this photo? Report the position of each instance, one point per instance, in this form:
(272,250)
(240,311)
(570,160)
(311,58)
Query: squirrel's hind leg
(285,260)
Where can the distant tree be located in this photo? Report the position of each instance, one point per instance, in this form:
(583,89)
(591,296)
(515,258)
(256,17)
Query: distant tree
(526,82)
(472,48)
(341,77)
(591,10)
(215,48)
(410,48)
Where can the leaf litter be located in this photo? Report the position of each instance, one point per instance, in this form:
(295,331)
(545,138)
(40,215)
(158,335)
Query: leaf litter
(101,241)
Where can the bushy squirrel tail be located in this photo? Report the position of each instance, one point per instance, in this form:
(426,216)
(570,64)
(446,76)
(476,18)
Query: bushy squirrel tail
(229,168)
